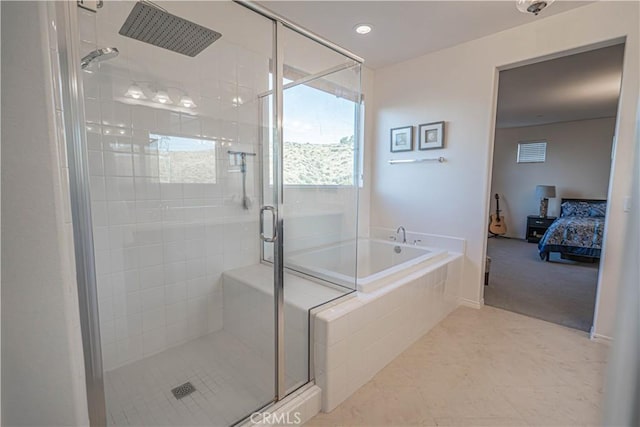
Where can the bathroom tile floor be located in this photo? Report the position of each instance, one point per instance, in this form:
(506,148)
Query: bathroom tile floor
(486,367)
(230,380)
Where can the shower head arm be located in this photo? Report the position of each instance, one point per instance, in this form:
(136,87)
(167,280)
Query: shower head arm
(99,55)
(157,6)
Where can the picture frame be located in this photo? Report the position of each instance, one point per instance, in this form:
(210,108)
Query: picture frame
(431,136)
(401,139)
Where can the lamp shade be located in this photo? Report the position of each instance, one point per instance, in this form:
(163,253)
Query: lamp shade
(545,191)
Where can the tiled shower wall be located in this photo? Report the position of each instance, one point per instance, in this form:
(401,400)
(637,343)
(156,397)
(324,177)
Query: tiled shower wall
(161,246)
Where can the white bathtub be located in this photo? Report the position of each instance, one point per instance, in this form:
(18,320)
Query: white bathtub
(377,262)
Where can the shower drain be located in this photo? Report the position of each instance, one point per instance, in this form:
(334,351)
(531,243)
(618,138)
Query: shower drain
(183,390)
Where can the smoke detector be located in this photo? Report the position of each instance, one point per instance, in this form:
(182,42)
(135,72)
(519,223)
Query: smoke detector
(532,6)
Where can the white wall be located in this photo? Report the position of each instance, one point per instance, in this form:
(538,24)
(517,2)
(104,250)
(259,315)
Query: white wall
(458,85)
(622,390)
(578,163)
(42,365)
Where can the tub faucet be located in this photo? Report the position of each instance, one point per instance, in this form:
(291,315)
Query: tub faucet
(404,233)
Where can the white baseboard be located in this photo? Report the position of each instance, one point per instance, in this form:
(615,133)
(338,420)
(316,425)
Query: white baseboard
(471,303)
(604,339)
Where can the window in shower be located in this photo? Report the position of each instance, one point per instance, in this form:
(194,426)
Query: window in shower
(185,160)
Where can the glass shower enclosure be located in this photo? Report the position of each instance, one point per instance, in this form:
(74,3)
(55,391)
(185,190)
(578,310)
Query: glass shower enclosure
(196,183)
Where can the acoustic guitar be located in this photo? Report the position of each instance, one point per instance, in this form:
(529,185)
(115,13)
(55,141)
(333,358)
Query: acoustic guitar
(497,226)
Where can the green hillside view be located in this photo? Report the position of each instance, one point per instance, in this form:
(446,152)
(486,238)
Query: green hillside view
(319,164)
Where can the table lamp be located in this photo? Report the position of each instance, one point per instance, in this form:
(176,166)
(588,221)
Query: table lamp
(544,193)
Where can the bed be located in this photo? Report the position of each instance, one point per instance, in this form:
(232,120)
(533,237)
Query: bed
(577,233)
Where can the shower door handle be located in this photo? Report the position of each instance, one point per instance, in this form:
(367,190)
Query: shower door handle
(273,224)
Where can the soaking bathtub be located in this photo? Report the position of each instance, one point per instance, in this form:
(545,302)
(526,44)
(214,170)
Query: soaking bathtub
(378,262)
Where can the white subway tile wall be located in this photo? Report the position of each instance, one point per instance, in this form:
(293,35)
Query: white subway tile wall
(166,204)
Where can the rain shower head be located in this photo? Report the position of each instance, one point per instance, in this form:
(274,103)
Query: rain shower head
(99,55)
(152,24)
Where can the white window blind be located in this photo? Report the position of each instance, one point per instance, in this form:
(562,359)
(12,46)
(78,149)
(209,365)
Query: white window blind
(532,152)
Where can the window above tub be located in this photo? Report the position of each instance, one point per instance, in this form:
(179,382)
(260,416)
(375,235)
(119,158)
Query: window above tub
(322,144)
(319,141)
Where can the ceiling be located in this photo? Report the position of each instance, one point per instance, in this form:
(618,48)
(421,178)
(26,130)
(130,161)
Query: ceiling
(406,29)
(577,87)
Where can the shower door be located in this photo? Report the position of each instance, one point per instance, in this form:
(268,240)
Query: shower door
(320,175)
(196,183)
(312,183)
(186,310)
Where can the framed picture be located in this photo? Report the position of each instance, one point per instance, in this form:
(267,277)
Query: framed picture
(402,139)
(431,136)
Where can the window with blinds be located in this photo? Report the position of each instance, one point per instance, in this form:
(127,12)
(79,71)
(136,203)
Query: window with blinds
(532,152)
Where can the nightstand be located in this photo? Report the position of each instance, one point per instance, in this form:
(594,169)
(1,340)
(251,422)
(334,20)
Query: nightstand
(536,227)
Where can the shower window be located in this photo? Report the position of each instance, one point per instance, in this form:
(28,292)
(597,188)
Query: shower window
(185,160)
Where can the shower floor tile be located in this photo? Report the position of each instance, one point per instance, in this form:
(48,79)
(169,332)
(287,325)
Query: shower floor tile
(231,381)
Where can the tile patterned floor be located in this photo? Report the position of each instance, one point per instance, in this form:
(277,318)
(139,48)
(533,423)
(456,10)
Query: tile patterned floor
(230,380)
(485,367)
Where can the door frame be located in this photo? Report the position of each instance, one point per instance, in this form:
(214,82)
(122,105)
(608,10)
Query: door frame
(492,130)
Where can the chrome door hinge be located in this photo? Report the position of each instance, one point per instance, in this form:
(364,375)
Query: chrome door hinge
(91,5)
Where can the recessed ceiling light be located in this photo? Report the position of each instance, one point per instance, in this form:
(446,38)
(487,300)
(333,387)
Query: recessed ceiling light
(363,28)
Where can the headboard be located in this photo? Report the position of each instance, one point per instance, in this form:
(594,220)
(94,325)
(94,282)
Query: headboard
(587,202)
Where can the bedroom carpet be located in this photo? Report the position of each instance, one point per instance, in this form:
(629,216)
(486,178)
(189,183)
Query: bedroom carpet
(559,291)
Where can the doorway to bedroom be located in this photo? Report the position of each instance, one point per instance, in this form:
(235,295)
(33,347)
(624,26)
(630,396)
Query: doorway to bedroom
(554,139)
